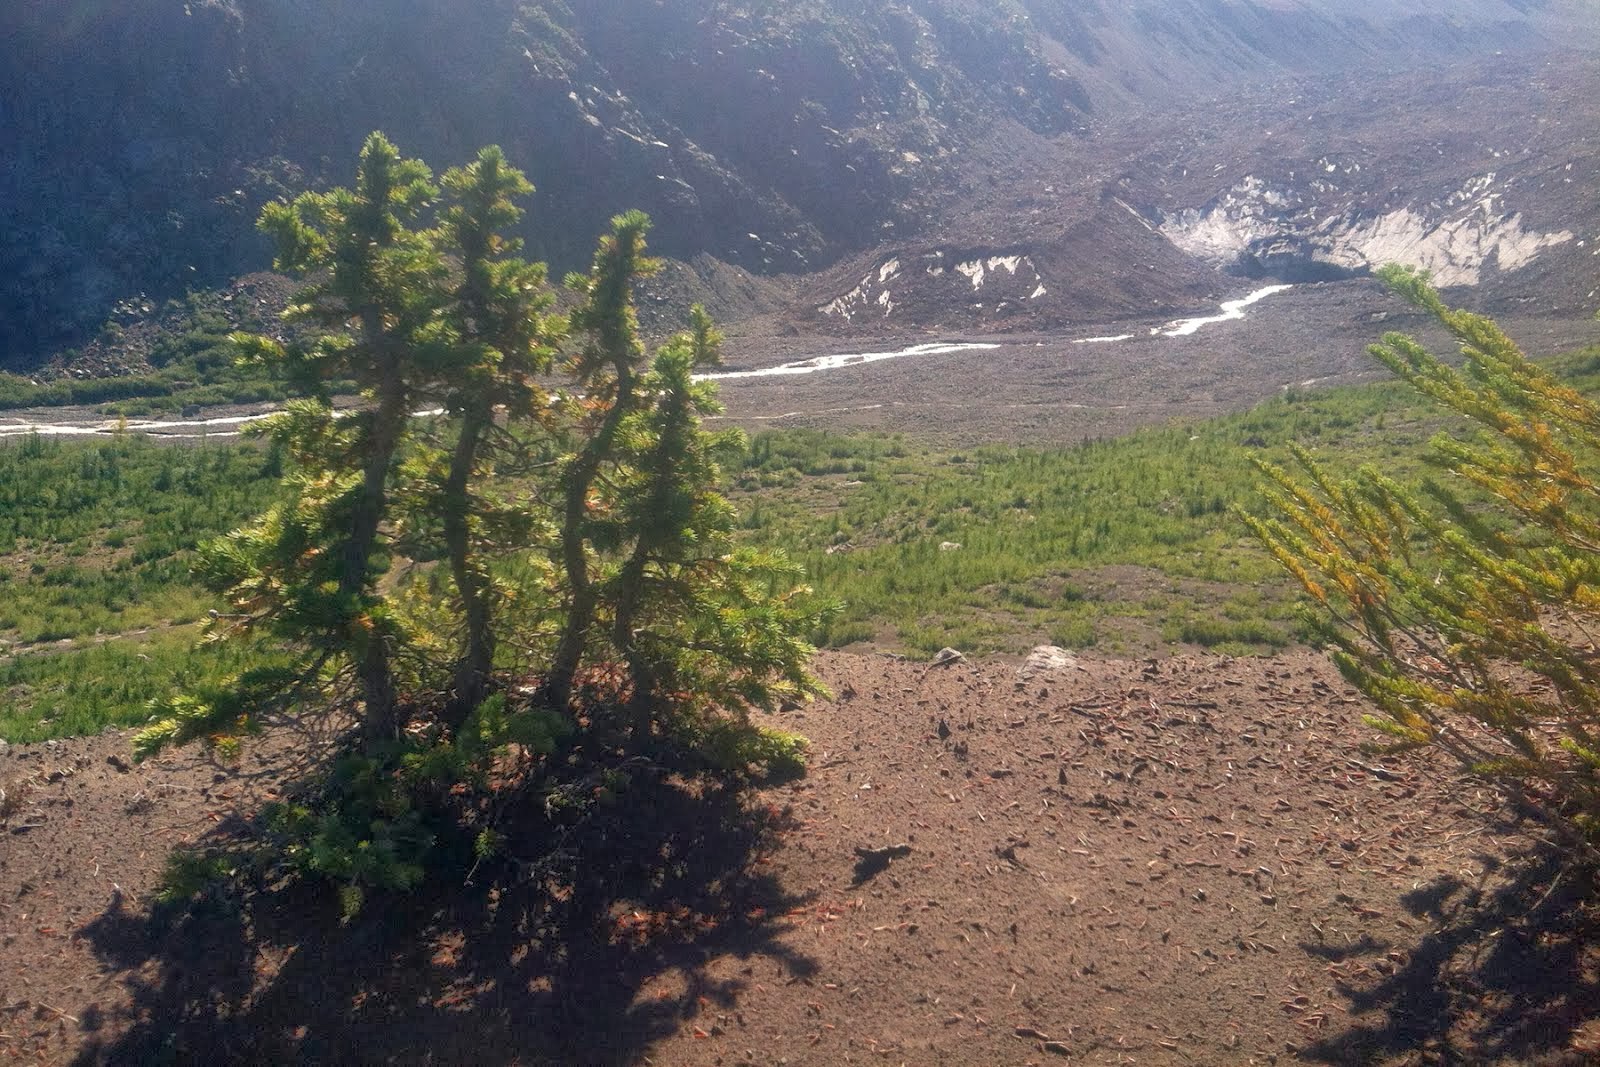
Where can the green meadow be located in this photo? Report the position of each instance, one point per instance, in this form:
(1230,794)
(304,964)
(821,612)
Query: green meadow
(97,603)
(1128,546)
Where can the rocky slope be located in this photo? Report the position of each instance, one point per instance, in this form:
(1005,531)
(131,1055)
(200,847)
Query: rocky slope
(1473,176)
(779,138)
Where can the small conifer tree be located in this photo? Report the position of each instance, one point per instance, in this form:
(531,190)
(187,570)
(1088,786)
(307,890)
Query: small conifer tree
(505,342)
(373,311)
(1468,611)
(698,622)
(606,371)
(384,559)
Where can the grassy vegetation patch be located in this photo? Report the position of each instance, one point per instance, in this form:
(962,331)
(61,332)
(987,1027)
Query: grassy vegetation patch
(1123,545)
(1119,544)
(95,538)
(192,363)
(82,691)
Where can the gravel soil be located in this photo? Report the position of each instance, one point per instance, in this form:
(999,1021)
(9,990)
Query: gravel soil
(1185,861)
(1044,389)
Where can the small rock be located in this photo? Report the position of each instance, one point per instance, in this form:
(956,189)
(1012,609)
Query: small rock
(1045,660)
(119,763)
(946,657)
(5,747)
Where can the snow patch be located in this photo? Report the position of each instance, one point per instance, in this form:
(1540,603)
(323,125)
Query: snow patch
(863,297)
(974,272)
(847,305)
(1022,277)
(977,270)
(1456,251)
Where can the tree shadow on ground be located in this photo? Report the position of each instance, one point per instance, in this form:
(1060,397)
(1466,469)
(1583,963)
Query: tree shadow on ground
(1510,973)
(656,917)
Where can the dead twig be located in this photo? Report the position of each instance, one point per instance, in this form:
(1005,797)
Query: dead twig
(1377,772)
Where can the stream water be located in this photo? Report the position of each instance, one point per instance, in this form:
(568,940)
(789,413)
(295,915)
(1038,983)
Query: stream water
(225,427)
(855,359)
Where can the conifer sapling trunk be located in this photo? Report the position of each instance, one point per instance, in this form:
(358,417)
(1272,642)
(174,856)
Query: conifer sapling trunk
(606,368)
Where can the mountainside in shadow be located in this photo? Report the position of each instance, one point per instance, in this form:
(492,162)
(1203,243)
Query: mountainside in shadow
(782,138)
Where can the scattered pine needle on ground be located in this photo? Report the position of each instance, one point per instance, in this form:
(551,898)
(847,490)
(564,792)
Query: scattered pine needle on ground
(1120,861)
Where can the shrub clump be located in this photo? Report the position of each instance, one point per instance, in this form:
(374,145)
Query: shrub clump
(520,592)
(1465,608)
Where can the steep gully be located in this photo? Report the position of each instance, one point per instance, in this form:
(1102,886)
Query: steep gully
(232,426)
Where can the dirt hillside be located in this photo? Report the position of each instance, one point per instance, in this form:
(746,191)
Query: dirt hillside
(1106,862)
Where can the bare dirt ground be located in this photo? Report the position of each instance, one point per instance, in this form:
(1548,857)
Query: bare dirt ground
(1118,862)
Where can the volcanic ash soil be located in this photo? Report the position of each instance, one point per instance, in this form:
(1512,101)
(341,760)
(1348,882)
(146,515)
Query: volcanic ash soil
(1104,862)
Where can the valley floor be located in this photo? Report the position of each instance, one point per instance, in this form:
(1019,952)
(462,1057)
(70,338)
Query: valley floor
(1183,861)
(1093,380)
(1058,388)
